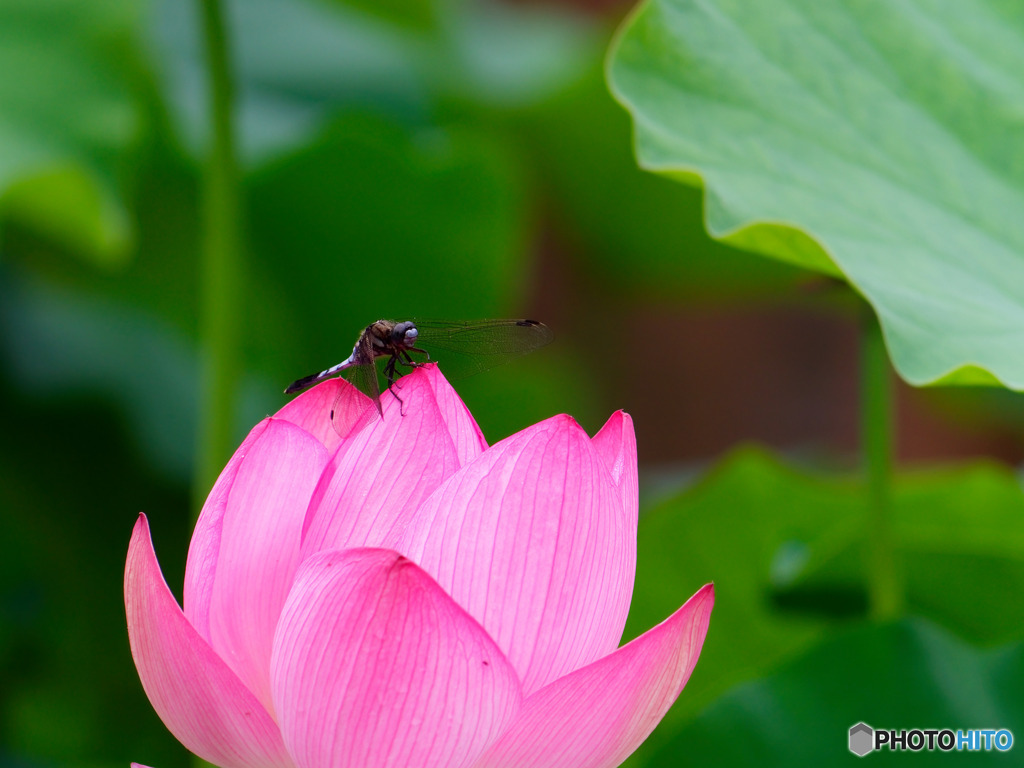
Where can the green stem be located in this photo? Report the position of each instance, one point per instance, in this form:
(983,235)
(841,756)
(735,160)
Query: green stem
(885,593)
(221,270)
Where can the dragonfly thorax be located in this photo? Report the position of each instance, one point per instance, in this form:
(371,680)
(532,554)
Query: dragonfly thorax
(386,337)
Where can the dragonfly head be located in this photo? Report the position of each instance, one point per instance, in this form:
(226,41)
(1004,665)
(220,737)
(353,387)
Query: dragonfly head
(405,334)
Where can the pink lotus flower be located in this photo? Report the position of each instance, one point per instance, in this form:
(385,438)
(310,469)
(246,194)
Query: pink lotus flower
(406,596)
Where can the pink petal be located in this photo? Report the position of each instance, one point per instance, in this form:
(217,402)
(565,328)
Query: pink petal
(313,409)
(203,551)
(531,540)
(598,715)
(616,445)
(260,500)
(261,528)
(201,701)
(386,468)
(374,666)
(469,440)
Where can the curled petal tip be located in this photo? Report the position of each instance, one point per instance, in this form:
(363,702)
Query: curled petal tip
(200,700)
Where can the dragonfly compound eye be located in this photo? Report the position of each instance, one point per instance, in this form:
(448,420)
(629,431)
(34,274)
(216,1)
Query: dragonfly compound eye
(405,333)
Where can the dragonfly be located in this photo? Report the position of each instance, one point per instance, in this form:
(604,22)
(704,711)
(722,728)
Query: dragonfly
(472,347)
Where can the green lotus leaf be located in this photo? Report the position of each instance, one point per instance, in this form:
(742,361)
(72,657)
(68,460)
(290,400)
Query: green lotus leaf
(875,141)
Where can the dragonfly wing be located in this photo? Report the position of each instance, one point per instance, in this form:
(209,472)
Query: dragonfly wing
(363,373)
(479,345)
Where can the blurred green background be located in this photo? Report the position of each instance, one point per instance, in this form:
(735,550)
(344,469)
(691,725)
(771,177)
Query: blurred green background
(458,160)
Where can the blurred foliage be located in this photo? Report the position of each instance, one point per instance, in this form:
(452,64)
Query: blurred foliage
(861,140)
(68,120)
(73,482)
(786,550)
(404,158)
(906,675)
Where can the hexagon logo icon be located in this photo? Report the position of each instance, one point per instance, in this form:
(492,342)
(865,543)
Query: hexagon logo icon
(862,738)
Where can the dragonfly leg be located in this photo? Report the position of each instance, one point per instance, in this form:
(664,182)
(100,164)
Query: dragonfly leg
(409,362)
(392,375)
(389,370)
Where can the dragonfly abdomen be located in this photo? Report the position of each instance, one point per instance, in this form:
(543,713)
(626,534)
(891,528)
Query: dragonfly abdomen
(295,386)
